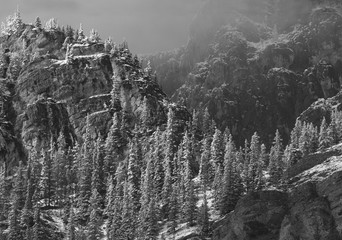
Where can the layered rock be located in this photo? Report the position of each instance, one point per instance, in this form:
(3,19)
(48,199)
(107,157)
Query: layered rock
(55,92)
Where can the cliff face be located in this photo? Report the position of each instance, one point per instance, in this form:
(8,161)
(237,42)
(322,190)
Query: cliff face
(249,67)
(57,89)
(311,208)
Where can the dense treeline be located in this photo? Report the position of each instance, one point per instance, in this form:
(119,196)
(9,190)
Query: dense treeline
(135,182)
(135,190)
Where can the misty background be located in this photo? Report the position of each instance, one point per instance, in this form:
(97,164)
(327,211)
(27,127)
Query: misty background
(149,26)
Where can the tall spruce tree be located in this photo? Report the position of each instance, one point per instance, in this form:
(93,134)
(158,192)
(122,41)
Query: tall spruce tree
(253,162)
(113,146)
(275,166)
(217,149)
(324,138)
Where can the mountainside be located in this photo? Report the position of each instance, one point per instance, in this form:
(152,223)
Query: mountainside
(256,65)
(51,89)
(92,148)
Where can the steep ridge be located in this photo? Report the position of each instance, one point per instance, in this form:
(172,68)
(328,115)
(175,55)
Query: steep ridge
(56,88)
(277,66)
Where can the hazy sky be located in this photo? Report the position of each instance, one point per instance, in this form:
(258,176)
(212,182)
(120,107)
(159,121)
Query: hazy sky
(147,25)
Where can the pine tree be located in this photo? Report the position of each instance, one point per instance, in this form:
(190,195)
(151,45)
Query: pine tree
(275,167)
(85,175)
(173,209)
(324,138)
(14,231)
(94,36)
(203,217)
(261,164)
(81,37)
(206,123)
(156,155)
(147,196)
(217,187)
(253,162)
(168,160)
(204,164)
(94,224)
(217,149)
(231,186)
(332,130)
(115,211)
(296,133)
(71,225)
(98,176)
(189,205)
(51,24)
(38,23)
(152,220)
(113,146)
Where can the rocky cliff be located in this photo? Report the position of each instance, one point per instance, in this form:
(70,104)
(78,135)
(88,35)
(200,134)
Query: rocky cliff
(310,209)
(50,89)
(240,65)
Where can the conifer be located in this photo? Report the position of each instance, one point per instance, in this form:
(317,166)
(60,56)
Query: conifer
(275,167)
(324,139)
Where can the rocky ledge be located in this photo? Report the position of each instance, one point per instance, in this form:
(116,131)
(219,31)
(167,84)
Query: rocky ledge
(311,209)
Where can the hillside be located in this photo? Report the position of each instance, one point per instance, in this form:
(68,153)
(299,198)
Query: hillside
(248,147)
(256,65)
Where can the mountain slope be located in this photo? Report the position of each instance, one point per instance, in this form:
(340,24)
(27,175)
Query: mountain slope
(252,74)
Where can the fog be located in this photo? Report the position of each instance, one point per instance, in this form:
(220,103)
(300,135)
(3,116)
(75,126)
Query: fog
(148,25)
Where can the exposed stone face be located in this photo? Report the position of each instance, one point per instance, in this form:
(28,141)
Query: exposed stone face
(232,71)
(310,210)
(43,120)
(53,94)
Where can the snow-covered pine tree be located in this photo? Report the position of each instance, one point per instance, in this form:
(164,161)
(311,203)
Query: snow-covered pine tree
(189,204)
(85,175)
(38,23)
(253,162)
(204,163)
(113,146)
(332,129)
(168,160)
(173,209)
(275,167)
(231,185)
(70,235)
(94,224)
(261,165)
(94,36)
(203,214)
(81,37)
(156,155)
(295,134)
(324,139)
(217,150)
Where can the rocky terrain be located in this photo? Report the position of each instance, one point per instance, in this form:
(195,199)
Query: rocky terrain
(57,89)
(255,65)
(241,66)
(310,209)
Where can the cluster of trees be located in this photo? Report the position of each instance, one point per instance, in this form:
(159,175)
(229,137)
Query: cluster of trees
(307,138)
(136,181)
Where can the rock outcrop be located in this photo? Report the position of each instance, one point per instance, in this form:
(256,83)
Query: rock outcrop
(311,209)
(54,91)
(240,68)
